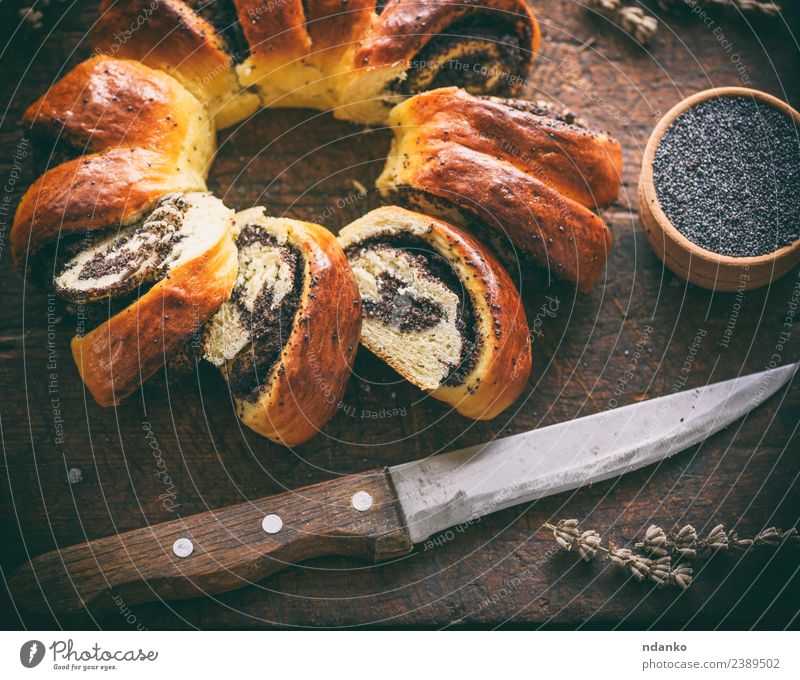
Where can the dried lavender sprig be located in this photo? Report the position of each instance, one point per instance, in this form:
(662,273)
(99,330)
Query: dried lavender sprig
(567,535)
(717,539)
(604,6)
(589,544)
(684,542)
(661,571)
(640,26)
(681,576)
(31,17)
(658,567)
(739,543)
(763,7)
(655,542)
(775,537)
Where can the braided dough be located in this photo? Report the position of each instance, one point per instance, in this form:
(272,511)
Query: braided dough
(523,172)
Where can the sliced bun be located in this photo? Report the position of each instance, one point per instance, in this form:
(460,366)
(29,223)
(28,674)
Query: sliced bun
(440,310)
(113,188)
(532,177)
(324,54)
(287,338)
(297,48)
(105,102)
(185,250)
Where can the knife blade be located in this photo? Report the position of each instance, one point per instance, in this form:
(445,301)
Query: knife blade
(452,488)
(378,514)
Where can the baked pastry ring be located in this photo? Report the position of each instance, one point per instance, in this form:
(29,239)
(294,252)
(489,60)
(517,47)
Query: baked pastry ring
(440,310)
(148,126)
(287,338)
(170,274)
(516,166)
(344,55)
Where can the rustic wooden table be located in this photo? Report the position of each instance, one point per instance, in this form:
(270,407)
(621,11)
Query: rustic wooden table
(502,570)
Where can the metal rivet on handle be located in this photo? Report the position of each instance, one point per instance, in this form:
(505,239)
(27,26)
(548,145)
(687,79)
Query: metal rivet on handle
(183,547)
(272,524)
(361,501)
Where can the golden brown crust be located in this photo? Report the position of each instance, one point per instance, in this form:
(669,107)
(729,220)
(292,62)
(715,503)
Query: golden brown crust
(168,35)
(582,164)
(297,48)
(105,102)
(113,33)
(290,29)
(98,191)
(515,171)
(307,383)
(334,24)
(117,357)
(343,55)
(406,26)
(274,29)
(504,363)
(505,368)
(557,232)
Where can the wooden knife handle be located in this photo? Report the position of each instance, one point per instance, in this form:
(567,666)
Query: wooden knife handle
(231,547)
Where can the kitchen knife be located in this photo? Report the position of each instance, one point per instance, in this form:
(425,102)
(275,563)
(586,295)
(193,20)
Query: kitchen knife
(379,514)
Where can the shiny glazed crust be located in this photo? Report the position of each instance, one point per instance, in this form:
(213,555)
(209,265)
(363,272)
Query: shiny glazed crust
(297,48)
(580,163)
(307,382)
(168,35)
(382,59)
(150,135)
(504,363)
(105,102)
(406,26)
(338,54)
(558,233)
(529,179)
(118,356)
(342,54)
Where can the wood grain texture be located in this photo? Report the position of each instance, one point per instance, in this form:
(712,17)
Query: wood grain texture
(631,338)
(229,548)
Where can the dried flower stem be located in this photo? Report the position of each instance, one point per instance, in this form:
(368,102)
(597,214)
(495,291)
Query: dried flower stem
(631,19)
(662,559)
(762,7)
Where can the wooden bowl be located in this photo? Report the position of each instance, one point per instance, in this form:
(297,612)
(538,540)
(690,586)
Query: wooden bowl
(687,259)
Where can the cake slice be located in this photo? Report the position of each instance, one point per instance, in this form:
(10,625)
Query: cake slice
(159,282)
(286,340)
(439,309)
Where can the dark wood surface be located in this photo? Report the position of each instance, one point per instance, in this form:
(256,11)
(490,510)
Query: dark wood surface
(627,341)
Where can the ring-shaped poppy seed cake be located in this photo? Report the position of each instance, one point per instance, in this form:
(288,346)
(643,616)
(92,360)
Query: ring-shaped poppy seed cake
(125,224)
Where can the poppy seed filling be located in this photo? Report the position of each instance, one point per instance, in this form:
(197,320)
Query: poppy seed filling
(479,53)
(248,334)
(411,290)
(120,263)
